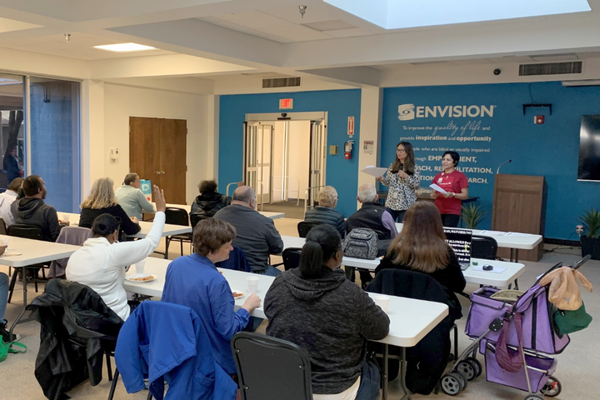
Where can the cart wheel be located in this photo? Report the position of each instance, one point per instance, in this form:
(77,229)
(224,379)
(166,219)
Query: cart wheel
(467,369)
(451,384)
(463,377)
(534,397)
(476,365)
(552,388)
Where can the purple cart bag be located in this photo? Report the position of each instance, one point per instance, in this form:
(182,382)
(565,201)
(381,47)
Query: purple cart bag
(538,332)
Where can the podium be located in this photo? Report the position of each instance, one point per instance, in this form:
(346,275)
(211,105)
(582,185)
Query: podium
(520,206)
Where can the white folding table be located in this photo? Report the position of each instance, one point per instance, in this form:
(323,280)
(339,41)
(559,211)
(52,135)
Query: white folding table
(410,320)
(32,252)
(511,271)
(510,240)
(188,208)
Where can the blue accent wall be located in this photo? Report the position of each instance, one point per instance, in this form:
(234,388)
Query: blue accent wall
(550,150)
(339,104)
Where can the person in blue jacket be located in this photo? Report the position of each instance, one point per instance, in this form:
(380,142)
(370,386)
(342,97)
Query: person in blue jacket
(195,282)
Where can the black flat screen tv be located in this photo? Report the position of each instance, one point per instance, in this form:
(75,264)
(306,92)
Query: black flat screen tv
(589,149)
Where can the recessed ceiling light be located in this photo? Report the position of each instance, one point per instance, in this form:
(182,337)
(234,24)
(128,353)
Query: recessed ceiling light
(125,47)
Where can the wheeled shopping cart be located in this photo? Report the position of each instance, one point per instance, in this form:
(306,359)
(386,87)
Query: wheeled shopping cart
(487,318)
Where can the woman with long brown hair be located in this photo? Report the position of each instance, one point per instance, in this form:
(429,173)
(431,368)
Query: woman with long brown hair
(403,177)
(421,246)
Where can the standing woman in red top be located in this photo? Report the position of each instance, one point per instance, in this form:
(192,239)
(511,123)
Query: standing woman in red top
(455,184)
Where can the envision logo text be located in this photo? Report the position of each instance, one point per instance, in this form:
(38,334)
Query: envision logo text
(407,112)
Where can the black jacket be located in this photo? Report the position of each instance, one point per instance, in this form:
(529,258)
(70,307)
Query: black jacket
(428,359)
(329,317)
(326,215)
(369,216)
(77,327)
(33,211)
(207,205)
(450,277)
(88,215)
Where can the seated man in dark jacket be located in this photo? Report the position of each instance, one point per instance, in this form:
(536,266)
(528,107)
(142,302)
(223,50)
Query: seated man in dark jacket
(210,201)
(31,209)
(324,213)
(372,215)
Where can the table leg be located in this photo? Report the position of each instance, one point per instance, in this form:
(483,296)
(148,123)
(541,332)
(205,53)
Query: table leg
(403,367)
(512,255)
(516,255)
(10,333)
(385,371)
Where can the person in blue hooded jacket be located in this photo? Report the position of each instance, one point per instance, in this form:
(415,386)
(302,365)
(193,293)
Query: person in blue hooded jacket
(195,282)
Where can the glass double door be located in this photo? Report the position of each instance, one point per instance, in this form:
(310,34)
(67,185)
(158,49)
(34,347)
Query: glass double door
(285,159)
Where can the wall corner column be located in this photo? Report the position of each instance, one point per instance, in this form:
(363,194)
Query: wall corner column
(93,155)
(370,130)
(212,155)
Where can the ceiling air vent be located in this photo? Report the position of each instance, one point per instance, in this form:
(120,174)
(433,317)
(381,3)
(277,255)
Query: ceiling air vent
(557,68)
(281,82)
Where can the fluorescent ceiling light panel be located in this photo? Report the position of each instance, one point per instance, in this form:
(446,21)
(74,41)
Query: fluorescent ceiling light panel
(122,47)
(400,14)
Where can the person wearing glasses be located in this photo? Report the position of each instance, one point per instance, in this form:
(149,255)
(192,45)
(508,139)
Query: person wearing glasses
(403,177)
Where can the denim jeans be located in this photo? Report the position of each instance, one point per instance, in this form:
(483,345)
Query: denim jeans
(3,294)
(370,381)
(397,215)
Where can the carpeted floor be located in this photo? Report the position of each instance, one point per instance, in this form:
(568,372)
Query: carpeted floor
(577,366)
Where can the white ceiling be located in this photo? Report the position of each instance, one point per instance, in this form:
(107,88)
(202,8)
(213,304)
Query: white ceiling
(270,37)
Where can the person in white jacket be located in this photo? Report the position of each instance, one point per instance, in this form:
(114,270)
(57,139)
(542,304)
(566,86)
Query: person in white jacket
(102,262)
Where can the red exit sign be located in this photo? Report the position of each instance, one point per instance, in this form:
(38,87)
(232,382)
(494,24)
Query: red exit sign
(286,104)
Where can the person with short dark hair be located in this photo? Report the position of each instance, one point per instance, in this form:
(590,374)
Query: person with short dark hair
(131,198)
(256,234)
(31,209)
(456,186)
(209,202)
(102,262)
(194,281)
(7,198)
(317,308)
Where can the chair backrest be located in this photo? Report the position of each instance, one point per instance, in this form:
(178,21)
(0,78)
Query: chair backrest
(3,227)
(305,227)
(176,216)
(26,231)
(195,218)
(291,257)
(484,247)
(255,353)
(237,261)
(75,235)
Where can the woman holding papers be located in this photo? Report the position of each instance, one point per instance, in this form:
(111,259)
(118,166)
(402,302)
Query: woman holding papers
(403,177)
(451,188)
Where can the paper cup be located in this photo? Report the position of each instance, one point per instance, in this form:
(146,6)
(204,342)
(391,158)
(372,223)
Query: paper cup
(4,240)
(383,302)
(139,267)
(66,217)
(253,283)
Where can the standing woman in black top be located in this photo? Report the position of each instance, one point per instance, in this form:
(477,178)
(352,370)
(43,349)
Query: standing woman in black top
(102,200)
(403,177)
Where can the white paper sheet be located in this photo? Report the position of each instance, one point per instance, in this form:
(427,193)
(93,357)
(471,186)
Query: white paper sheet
(374,171)
(437,188)
(496,270)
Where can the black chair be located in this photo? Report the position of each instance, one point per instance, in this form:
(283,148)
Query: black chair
(254,354)
(195,218)
(177,216)
(237,261)
(27,232)
(484,247)
(291,257)
(305,227)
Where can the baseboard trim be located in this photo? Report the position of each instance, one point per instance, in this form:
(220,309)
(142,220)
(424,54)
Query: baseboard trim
(563,242)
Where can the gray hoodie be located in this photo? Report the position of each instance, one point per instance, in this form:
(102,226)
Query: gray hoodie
(33,211)
(329,317)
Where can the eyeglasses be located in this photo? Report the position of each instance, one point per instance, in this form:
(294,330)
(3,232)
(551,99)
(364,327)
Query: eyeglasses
(400,151)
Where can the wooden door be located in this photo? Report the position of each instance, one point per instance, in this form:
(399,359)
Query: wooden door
(157,151)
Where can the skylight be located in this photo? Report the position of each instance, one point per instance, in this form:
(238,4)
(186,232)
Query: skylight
(399,14)
(122,47)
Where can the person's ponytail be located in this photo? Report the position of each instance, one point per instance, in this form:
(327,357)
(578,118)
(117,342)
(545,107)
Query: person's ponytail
(322,242)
